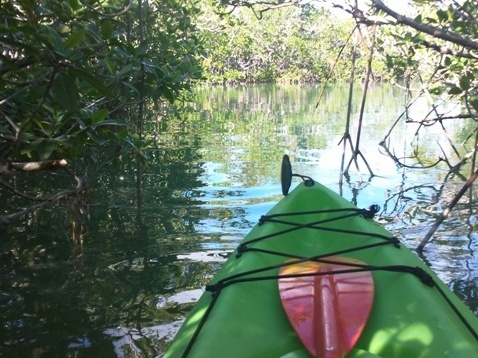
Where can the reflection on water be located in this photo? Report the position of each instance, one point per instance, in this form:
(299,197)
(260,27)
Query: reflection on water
(126,291)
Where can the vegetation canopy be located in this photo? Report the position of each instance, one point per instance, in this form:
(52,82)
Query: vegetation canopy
(79,78)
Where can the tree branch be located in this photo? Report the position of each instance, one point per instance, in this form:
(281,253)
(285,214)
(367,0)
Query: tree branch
(437,119)
(447,51)
(33,166)
(264,5)
(428,29)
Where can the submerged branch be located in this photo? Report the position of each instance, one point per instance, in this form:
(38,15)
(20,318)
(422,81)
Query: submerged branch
(446,213)
(6,219)
(398,161)
(19,193)
(440,118)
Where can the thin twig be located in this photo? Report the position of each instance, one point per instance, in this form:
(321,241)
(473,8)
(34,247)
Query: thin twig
(357,151)
(346,136)
(446,213)
(19,193)
(329,75)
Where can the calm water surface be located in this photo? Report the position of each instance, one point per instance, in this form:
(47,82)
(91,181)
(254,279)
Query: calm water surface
(148,251)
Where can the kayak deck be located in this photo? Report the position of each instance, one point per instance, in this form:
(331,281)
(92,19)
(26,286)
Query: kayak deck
(413,313)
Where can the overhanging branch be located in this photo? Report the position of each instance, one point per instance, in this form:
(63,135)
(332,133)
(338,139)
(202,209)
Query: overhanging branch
(428,29)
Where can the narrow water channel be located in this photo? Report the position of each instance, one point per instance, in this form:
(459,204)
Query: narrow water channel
(124,291)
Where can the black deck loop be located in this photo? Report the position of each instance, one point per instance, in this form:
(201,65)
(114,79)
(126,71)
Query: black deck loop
(395,241)
(262,219)
(371,211)
(240,250)
(214,288)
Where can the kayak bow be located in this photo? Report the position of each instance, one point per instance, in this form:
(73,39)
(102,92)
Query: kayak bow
(293,261)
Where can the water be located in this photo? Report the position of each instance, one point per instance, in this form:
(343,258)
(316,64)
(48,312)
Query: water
(125,286)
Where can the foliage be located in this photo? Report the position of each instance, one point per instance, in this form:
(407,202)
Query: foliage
(68,79)
(75,73)
(288,44)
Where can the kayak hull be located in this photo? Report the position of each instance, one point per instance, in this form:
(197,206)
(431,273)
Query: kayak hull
(242,316)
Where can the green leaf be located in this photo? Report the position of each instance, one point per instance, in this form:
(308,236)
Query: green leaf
(74,39)
(54,38)
(125,70)
(112,122)
(86,113)
(99,115)
(92,80)
(107,28)
(97,139)
(436,89)
(65,92)
(63,29)
(109,65)
(74,4)
(465,82)
(41,148)
(442,15)
(169,94)
(47,148)
(455,90)
(141,50)
(419,18)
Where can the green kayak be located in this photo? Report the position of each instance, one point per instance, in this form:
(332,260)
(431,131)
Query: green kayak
(404,309)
